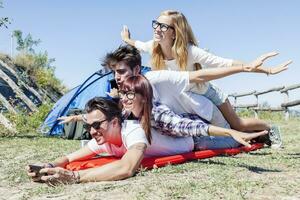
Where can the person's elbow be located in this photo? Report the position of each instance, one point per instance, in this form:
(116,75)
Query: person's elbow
(195,77)
(126,172)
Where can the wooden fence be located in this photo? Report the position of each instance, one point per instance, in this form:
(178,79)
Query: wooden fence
(284,90)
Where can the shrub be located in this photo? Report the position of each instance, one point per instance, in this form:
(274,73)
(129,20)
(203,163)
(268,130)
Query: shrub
(29,123)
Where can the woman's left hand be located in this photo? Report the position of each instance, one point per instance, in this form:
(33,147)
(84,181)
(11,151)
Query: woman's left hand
(257,65)
(59,175)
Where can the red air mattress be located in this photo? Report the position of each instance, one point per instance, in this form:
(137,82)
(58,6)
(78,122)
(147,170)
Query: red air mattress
(154,162)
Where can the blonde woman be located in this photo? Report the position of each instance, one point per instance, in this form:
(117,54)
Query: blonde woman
(174,47)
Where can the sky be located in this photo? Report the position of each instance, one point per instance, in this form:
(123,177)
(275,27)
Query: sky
(78,34)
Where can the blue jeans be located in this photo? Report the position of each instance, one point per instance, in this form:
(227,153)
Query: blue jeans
(215,94)
(214,142)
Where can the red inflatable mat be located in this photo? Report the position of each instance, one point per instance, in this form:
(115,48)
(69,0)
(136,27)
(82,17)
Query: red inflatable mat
(150,163)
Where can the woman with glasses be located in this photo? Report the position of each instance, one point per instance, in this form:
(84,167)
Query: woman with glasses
(174,47)
(136,96)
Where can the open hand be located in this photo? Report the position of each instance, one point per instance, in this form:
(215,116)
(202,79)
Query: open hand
(257,65)
(114,93)
(244,138)
(67,119)
(125,34)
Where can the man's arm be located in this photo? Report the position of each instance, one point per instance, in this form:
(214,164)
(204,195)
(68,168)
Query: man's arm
(204,75)
(121,169)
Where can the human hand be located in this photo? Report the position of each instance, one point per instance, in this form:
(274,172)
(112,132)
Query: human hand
(257,65)
(244,138)
(59,175)
(34,170)
(125,34)
(67,119)
(114,93)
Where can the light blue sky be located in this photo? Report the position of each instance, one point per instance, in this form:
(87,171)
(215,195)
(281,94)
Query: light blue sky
(79,33)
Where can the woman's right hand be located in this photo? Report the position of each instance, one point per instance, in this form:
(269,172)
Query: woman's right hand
(125,34)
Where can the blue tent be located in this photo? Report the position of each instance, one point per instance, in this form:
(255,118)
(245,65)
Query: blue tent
(96,85)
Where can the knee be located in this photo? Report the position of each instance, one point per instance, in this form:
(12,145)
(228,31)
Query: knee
(239,125)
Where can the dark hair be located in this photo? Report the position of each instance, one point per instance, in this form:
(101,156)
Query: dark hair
(140,84)
(125,53)
(108,107)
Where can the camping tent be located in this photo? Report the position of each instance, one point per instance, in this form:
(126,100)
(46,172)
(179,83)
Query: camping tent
(96,85)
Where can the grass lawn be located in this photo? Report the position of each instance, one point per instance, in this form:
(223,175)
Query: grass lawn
(263,174)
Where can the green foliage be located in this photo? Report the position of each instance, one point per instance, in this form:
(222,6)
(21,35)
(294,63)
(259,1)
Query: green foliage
(265,115)
(39,68)
(29,123)
(4,21)
(27,43)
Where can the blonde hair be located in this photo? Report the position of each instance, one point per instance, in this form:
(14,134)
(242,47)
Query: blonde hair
(183,37)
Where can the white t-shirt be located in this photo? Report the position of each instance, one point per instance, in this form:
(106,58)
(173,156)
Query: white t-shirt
(132,133)
(195,55)
(169,88)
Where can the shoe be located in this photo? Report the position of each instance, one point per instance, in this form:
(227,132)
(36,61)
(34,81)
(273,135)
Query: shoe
(275,137)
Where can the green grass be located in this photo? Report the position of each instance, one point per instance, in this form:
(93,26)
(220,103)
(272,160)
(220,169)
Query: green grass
(262,174)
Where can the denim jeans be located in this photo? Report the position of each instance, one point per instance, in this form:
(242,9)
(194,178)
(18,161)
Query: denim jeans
(214,142)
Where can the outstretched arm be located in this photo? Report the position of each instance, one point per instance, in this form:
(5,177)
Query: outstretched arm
(71,118)
(121,169)
(204,75)
(81,154)
(240,137)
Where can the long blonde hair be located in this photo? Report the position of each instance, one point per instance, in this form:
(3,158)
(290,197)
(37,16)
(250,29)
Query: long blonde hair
(183,37)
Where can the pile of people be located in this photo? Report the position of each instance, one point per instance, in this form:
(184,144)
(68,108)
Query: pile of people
(169,110)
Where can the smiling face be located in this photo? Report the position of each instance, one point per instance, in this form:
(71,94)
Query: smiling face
(106,131)
(164,37)
(133,102)
(123,71)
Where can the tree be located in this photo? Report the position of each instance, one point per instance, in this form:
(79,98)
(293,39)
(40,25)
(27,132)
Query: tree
(25,44)
(4,21)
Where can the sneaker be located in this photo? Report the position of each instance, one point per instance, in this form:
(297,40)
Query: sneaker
(275,137)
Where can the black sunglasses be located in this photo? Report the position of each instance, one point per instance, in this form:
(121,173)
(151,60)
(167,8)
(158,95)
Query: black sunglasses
(163,27)
(130,95)
(96,125)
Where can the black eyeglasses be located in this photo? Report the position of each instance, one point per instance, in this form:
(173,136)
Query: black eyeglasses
(163,27)
(96,125)
(130,95)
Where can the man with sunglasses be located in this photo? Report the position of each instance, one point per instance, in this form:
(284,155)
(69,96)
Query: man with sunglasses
(114,136)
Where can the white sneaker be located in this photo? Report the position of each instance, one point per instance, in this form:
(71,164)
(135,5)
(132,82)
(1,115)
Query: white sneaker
(275,137)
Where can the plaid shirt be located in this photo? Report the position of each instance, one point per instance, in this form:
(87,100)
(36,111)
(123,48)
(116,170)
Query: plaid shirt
(183,125)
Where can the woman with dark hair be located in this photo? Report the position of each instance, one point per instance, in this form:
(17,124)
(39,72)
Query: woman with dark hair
(136,97)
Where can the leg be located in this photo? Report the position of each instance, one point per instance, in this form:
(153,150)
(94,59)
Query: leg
(211,142)
(241,124)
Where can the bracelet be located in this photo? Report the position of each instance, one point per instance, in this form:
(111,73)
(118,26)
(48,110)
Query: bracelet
(269,71)
(50,165)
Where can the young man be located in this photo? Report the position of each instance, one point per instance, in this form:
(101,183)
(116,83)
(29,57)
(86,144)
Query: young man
(125,139)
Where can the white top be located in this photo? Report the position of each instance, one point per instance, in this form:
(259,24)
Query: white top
(169,88)
(132,133)
(195,55)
